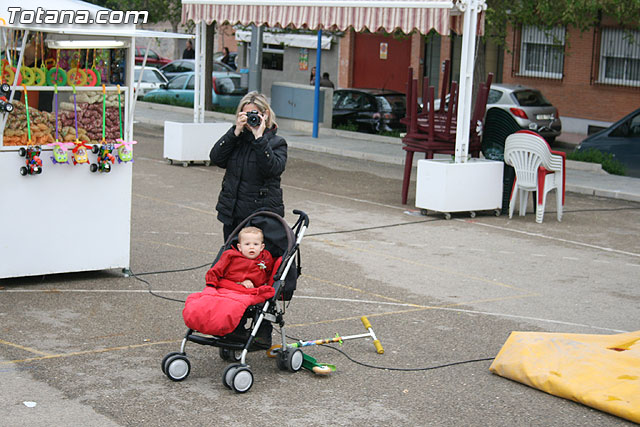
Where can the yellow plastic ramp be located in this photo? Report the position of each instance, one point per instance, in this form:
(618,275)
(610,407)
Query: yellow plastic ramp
(601,371)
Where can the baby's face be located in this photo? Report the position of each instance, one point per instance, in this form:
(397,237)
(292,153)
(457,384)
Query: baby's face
(250,245)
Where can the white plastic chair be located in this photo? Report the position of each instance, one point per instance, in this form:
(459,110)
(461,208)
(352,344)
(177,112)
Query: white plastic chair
(537,169)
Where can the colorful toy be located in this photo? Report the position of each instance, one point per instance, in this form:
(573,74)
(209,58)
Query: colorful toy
(32,152)
(125,150)
(33,161)
(322,368)
(104,157)
(60,153)
(5,105)
(79,152)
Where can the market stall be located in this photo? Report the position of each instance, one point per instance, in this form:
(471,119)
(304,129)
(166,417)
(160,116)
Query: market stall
(66,141)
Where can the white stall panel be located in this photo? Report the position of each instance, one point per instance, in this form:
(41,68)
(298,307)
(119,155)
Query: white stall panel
(66,219)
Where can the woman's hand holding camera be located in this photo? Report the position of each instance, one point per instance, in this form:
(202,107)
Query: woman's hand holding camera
(253,121)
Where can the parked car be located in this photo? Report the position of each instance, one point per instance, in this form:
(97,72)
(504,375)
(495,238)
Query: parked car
(180,66)
(622,139)
(226,91)
(153,58)
(152,78)
(371,110)
(528,107)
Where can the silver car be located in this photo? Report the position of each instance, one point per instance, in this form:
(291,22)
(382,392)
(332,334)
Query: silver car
(528,107)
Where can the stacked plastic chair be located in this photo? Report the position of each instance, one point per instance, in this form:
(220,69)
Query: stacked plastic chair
(538,169)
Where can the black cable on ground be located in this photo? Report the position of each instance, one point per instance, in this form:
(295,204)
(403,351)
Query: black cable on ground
(153,293)
(374,227)
(429,368)
(366,365)
(174,271)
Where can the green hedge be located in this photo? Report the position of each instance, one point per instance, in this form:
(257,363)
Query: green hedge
(591,155)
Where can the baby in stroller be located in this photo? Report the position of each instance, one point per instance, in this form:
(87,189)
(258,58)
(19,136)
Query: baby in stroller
(248,284)
(238,280)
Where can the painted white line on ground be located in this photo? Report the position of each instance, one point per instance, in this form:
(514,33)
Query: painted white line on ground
(460,310)
(573,242)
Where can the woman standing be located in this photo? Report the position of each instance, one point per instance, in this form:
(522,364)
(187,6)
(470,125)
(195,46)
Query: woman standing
(254,158)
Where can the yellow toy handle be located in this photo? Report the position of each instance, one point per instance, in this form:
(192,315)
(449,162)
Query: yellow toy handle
(376,341)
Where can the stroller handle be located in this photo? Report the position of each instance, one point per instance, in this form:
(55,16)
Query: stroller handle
(303,216)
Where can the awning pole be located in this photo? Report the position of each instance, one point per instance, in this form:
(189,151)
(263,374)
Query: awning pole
(316,97)
(470,8)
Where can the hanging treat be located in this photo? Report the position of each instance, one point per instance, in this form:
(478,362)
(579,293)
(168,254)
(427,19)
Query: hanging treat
(33,161)
(125,150)
(60,153)
(31,153)
(80,153)
(103,150)
(104,157)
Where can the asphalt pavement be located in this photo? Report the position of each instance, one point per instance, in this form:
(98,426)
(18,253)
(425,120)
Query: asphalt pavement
(582,178)
(442,297)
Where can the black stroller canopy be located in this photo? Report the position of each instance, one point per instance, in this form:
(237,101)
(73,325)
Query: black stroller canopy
(278,236)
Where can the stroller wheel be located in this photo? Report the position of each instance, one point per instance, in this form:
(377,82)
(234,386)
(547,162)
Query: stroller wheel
(177,367)
(227,375)
(242,380)
(164,361)
(295,357)
(230,355)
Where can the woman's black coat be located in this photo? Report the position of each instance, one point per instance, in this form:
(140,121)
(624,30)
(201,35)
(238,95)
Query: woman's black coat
(252,178)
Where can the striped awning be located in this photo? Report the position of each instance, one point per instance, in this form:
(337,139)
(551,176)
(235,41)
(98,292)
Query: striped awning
(440,15)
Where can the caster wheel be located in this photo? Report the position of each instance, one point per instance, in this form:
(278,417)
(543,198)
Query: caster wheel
(207,163)
(164,361)
(497,212)
(424,212)
(472,214)
(447,216)
(281,360)
(230,355)
(23,171)
(242,380)
(177,367)
(170,161)
(185,164)
(22,152)
(294,357)
(227,375)
(93,167)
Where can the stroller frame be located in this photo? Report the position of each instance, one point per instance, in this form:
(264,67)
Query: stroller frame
(238,376)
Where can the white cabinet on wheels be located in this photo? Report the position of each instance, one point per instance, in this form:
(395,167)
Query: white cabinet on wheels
(191,142)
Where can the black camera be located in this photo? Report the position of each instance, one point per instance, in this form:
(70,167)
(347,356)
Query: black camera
(253,119)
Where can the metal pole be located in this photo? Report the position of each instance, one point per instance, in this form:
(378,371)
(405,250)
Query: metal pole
(470,8)
(316,96)
(255,61)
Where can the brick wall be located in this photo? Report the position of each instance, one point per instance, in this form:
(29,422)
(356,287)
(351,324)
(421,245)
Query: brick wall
(574,95)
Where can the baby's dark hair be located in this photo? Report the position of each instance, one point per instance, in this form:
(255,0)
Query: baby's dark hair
(250,230)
